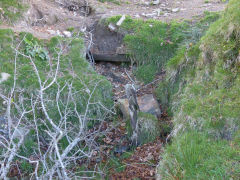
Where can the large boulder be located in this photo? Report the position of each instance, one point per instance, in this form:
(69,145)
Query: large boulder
(147,104)
(108,43)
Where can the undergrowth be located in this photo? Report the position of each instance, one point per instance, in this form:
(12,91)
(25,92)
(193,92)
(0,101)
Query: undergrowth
(74,70)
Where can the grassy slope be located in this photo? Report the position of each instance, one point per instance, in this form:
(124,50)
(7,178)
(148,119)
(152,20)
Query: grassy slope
(152,43)
(11,10)
(73,60)
(203,90)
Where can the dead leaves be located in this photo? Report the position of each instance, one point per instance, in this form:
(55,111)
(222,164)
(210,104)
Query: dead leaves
(142,163)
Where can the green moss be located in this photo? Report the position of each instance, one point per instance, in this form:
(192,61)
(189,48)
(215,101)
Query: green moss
(148,128)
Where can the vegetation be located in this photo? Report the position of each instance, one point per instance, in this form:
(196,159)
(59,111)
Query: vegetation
(112,1)
(203,89)
(73,91)
(148,128)
(152,43)
(11,10)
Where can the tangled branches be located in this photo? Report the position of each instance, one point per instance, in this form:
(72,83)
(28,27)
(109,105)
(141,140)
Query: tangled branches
(48,127)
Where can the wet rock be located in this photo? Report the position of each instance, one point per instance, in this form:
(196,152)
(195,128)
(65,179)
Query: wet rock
(147,104)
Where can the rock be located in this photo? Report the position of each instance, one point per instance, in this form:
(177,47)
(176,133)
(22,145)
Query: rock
(119,23)
(156,2)
(175,10)
(137,16)
(123,106)
(165,14)
(111,27)
(108,43)
(4,77)
(52,32)
(158,11)
(50,19)
(147,3)
(147,104)
(59,33)
(67,34)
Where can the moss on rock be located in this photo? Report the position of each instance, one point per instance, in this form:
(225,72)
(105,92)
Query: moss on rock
(148,128)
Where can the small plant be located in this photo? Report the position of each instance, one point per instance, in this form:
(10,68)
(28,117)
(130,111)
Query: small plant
(146,73)
(33,49)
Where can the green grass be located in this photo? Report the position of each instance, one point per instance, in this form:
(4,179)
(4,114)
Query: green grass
(11,10)
(112,1)
(195,156)
(152,43)
(74,69)
(203,90)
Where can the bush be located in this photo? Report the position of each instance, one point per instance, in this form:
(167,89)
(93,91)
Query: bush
(51,100)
